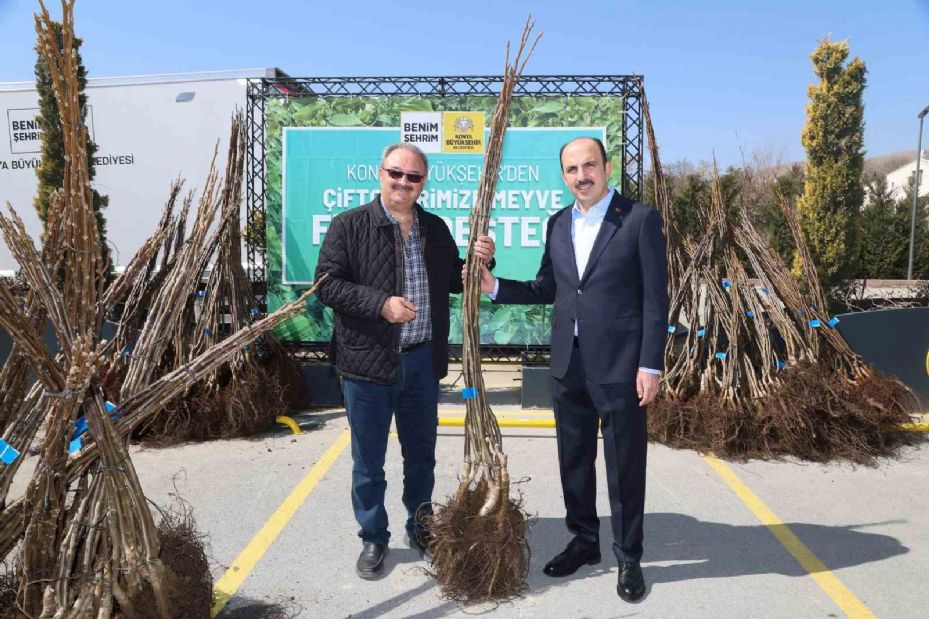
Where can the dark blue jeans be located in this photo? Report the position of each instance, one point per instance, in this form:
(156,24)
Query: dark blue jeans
(413,398)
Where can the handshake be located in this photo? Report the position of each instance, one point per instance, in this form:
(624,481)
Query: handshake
(484,251)
(400,309)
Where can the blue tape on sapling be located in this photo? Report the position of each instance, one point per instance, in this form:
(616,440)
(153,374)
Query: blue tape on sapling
(8,453)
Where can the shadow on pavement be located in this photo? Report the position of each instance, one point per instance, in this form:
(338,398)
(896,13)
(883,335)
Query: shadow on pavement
(382,608)
(245,608)
(693,549)
(677,548)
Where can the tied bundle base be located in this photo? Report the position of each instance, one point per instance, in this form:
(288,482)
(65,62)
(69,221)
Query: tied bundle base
(239,407)
(810,414)
(479,558)
(183,554)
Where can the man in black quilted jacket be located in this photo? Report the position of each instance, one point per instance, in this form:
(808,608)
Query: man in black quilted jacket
(391,268)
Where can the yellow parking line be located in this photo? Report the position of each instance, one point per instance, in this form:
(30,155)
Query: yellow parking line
(239,570)
(827,581)
(544,419)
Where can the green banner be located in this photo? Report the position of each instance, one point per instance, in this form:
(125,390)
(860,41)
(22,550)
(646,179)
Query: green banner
(322,159)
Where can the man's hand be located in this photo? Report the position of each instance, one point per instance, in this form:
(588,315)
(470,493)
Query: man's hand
(484,248)
(488,281)
(646,385)
(398,310)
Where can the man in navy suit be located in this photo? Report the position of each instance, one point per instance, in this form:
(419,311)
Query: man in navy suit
(605,270)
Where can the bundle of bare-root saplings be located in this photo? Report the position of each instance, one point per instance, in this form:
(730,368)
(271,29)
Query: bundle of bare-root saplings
(81,540)
(170,315)
(755,367)
(479,547)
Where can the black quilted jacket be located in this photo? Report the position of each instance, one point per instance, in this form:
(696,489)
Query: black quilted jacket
(362,255)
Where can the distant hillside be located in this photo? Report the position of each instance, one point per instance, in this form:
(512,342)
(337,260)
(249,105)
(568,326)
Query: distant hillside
(883,164)
(880,164)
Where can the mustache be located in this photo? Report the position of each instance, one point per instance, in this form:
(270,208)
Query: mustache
(401,186)
(583,184)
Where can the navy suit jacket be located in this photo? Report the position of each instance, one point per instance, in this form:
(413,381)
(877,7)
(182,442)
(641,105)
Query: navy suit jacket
(620,302)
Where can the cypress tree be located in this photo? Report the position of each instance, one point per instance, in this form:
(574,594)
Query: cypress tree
(830,207)
(50,170)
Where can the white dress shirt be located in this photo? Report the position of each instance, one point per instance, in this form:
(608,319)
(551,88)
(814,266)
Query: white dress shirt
(584,230)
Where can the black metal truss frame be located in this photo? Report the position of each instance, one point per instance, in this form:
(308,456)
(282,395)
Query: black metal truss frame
(629,87)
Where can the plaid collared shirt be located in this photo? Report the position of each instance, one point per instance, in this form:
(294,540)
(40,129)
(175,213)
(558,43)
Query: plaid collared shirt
(415,283)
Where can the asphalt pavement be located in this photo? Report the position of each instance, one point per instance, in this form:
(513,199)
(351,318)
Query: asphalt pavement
(758,539)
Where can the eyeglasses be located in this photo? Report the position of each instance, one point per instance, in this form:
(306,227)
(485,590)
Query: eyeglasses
(411,176)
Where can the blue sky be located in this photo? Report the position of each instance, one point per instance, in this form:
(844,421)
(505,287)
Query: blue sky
(729,77)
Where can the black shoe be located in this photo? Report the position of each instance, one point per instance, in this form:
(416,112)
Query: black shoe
(371,560)
(574,556)
(631,585)
(420,543)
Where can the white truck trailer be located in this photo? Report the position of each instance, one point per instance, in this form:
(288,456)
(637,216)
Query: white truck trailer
(149,130)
